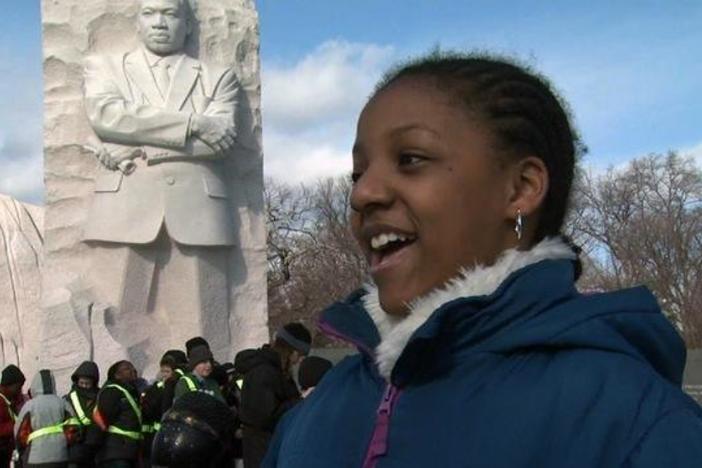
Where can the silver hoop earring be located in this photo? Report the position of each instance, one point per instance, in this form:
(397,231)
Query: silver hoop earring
(519,225)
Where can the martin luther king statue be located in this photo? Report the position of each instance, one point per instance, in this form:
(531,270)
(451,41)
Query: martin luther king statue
(161,223)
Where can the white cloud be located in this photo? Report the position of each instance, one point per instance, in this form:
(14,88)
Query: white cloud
(310,109)
(330,83)
(695,151)
(304,160)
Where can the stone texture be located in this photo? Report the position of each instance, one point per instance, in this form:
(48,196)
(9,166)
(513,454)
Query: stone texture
(79,318)
(20,277)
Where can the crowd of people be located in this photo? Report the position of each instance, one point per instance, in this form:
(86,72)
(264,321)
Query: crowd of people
(197,413)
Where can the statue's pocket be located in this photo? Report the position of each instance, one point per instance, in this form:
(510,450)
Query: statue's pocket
(215,187)
(109,182)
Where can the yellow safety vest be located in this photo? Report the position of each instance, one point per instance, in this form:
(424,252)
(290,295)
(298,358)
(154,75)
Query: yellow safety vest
(9,407)
(45,431)
(119,431)
(81,418)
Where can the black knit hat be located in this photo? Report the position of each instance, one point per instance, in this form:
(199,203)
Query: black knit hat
(199,354)
(312,369)
(194,342)
(174,358)
(12,375)
(296,335)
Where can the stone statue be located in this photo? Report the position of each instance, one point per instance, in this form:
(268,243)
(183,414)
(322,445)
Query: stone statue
(160,224)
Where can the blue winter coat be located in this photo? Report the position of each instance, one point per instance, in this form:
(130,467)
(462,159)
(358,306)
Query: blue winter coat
(533,375)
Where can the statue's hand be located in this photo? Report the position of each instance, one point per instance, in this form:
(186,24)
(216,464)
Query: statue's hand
(118,158)
(217,132)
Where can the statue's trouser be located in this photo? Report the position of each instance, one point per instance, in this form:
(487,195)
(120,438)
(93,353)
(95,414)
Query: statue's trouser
(163,294)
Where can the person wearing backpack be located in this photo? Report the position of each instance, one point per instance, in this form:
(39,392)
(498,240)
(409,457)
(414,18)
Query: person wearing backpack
(39,428)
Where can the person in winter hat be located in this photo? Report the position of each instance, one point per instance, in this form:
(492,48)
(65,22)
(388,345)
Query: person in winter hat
(268,389)
(119,416)
(310,373)
(475,346)
(85,435)
(175,363)
(11,400)
(153,405)
(39,429)
(201,364)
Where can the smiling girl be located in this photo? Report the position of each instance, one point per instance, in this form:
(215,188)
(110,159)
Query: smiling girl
(476,349)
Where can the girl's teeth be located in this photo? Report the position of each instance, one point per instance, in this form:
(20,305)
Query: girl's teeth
(381,240)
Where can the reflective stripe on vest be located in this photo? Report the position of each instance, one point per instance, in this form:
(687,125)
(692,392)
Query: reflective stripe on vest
(179,372)
(130,434)
(190,383)
(55,429)
(80,414)
(240,383)
(151,428)
(116,430)
(9,407)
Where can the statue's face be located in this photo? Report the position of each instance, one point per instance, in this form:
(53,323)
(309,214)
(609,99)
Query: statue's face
(163,25)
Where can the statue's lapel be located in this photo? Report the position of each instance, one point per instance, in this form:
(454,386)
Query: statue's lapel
(185,77)
(140,73)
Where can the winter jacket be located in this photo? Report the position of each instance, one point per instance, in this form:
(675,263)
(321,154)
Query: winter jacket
(193,383)
(507,366)
(119,416)
(168,394)
(8,415)
(267,393)
(39,430)
(86,436)
(152,409)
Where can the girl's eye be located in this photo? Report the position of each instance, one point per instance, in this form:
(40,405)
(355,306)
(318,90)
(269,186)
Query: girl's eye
(409,159)
(355,176)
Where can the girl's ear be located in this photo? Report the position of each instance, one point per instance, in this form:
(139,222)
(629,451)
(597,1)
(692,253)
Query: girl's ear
(528,187)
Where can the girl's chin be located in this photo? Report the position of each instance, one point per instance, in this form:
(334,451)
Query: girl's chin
(394,306)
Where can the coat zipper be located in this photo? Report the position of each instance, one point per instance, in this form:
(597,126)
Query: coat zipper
(378,445)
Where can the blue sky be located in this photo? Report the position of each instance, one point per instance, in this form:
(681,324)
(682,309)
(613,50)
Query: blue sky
(631,70)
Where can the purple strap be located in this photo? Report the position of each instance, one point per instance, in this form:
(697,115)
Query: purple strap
(379,442)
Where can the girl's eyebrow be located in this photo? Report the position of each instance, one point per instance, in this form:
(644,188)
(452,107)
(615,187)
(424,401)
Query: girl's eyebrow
(411,127)
(358,147)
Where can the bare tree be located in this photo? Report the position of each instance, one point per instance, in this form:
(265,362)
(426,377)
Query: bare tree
(313,259)
(643,225)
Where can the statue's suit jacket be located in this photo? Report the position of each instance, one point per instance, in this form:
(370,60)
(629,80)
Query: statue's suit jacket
(181,182)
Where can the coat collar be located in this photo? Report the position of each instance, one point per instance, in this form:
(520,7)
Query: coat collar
(361,320)
(480,280)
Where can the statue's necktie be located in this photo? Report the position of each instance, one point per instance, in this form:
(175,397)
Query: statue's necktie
(163,79)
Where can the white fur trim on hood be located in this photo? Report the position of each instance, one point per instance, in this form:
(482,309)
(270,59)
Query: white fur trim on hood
(395,331)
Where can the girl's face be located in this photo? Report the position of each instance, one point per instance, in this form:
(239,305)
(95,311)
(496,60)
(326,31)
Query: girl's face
(430,196)
(166,373)
(203,369)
